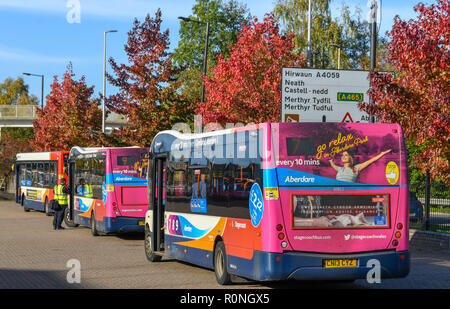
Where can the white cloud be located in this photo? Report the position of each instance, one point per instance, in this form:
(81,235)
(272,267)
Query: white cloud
(114,9)
(23,55)
(103,8)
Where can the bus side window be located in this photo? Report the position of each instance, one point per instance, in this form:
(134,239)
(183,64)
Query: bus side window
(46,173)
(34,175)
(41,175)
(23,174)
(28,174)
(53,177)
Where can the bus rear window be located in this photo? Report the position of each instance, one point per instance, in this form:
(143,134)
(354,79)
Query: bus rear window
(340,211)
(297,146)
(133,162)
(125,160)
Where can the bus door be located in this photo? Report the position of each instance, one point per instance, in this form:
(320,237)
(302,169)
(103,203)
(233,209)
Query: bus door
(158,203)
(18,173)
(71,168)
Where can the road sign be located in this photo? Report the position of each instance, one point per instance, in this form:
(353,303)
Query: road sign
(316,95)
(347,118)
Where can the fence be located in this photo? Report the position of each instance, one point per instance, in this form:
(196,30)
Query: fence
(18,111)
(434,215)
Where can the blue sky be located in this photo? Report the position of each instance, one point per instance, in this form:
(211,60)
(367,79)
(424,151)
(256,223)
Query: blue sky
(37,36)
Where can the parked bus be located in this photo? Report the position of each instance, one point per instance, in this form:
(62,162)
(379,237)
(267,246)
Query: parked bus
(109,189)
(279,201)
(36,175)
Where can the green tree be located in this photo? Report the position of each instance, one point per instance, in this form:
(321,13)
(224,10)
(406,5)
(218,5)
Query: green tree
(226,19)
(15,92)
(14,140)
(349,31)
(225,23)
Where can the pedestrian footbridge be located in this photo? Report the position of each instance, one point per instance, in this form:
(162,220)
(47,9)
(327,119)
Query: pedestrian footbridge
(22,116)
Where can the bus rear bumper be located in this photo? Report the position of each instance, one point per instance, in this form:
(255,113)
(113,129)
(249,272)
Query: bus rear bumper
(309,266)
(122,225)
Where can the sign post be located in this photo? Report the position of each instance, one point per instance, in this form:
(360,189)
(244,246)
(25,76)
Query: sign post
(318,95)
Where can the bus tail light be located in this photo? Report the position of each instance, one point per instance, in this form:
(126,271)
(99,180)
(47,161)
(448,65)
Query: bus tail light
(398,235)
(400,226)
(395,242)
(279,227)
(281,236)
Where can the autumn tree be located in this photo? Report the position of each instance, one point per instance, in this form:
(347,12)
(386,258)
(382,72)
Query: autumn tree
(71,116)
(147,93)
(246,87)
(417,95)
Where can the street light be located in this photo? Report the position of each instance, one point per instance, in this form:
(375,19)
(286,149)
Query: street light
(339,54)
(104,79)
(205,53)
(42,86)
(309,50)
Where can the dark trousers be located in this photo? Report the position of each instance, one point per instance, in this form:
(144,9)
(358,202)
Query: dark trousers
(59,216)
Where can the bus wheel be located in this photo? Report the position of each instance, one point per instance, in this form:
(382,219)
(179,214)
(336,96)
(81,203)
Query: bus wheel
(46,208)
(151,256)
(23,204)
(220,264)
(67,220)
(94,231)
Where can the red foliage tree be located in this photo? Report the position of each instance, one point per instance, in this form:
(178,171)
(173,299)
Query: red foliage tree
(247,86)
(69,118)
(10,147)
(418,95)
(147,93)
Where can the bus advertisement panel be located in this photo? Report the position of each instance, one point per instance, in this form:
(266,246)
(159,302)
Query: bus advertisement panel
(37,173)
(282,200)
(109,189)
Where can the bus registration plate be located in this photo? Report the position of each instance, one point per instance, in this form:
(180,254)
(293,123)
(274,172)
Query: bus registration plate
(141,223)
(340,263)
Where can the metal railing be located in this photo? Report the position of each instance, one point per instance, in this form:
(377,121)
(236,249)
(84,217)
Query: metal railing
(28,112)
(18,112)
(435,201)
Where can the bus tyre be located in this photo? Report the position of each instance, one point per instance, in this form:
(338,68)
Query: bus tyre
(94,231)
(149,253)
(46,208)
(220,264)
(24,204)
(67,220)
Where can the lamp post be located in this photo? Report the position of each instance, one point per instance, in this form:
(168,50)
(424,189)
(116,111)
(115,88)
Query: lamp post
(42,86)
(339,54)
(205,52)
(309,51)
(373,42)
(104,79)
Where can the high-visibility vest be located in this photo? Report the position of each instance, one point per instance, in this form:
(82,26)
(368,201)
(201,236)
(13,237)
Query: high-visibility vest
(60,196)
(87,191)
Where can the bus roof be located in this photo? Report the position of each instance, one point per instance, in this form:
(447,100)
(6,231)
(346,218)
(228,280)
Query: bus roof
(85,150)
(36,156)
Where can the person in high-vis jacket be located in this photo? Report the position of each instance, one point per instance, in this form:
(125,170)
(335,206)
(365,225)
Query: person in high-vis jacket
(60,192)
(84,189)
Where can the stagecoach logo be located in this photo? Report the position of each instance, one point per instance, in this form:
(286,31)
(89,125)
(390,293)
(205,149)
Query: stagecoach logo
(290,179)
(256,205)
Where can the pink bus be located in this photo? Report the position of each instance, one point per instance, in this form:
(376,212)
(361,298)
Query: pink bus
(109,189)
(326,200)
